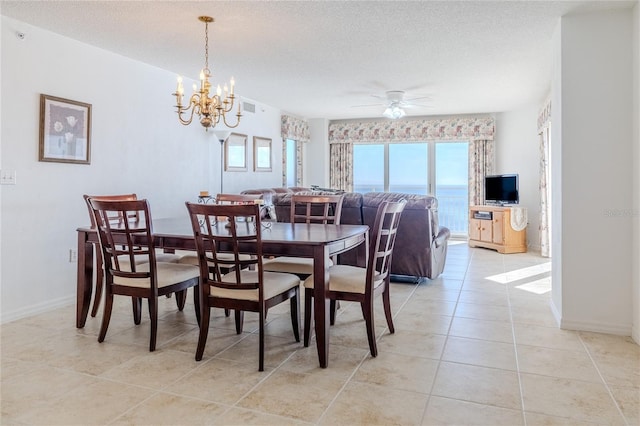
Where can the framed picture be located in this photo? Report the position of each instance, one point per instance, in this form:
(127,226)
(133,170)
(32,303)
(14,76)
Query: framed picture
(261,154)
(65,130)
(235,153)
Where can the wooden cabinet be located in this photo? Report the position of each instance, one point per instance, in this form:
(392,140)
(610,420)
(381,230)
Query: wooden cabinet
(490,227)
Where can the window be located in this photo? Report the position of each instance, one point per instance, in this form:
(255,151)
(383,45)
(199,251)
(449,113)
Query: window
(439,168)
(291,161)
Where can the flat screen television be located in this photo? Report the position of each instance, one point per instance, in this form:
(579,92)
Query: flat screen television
(501,189)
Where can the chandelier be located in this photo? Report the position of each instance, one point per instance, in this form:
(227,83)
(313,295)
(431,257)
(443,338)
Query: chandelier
(210,109)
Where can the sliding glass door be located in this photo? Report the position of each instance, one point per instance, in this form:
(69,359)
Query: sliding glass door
(438,168)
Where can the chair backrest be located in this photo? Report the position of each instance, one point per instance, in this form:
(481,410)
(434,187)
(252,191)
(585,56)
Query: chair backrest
(311,208)
(239,233)
(117,197)
(383,238)
(122,241)
(238,198)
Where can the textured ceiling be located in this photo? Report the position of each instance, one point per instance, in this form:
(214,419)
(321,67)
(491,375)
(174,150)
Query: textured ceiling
(321,58)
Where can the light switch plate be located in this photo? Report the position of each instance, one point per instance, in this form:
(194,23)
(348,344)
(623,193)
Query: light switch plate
(7,177)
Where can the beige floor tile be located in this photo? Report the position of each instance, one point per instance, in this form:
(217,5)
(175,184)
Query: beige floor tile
(300,396)
(445,411)
(547,337)
(537,419)
(366,404)
(219,380)
(433,307)
(154,370)
(497,331)
(536,314)
(276,350)
(441,281)
(398,371)
(495,297)
(557,363)
(437,293)
(343,360)
(628,400)
(484,353)
(218,339)
(619,370)
(26,392)
(482,312)
(611,345)
(580,401)
(166,409)
(478,384)
(423,323)
(139,335)
(240,416)
(96,403)
(414,343)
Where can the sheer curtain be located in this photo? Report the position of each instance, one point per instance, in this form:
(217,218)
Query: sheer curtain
(479,131)
(298,130)
(544,132)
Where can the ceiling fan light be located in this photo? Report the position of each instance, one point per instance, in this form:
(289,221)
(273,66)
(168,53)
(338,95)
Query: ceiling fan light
(394,112)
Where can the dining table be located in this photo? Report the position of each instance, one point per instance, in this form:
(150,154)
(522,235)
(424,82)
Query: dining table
(313,240)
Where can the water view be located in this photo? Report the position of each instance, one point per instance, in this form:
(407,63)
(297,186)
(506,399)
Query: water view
(453,203)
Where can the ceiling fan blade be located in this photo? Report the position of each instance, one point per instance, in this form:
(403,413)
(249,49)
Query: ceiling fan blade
(418,98)
(367,105)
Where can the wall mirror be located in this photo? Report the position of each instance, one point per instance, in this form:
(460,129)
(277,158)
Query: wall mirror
(235,153)
(261,154)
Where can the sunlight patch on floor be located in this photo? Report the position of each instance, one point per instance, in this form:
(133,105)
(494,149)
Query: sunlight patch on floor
(522,273)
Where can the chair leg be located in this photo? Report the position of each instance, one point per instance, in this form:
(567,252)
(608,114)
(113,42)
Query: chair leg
(367,309)
(153,315)
(261,354)
(204,331)
(106,316)
(333,305)
(386,302)
(239,320)
(196,302)
(181,299)
(295,314)
(137,310)
(308,311)
(99,287)
(227,312)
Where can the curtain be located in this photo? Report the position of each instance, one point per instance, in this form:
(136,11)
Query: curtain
(480,164)
(298,130)
(341,166)
(544,132)
(479,131)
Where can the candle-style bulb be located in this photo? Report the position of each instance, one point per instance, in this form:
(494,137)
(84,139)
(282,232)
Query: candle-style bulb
(218,90)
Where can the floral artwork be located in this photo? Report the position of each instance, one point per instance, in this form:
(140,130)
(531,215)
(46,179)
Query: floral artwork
(65,130)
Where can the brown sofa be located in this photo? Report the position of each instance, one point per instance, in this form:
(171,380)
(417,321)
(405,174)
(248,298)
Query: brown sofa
(421,245)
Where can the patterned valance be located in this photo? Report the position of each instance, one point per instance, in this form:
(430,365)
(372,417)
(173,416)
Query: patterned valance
(544,116)
(295,128)
(413,130)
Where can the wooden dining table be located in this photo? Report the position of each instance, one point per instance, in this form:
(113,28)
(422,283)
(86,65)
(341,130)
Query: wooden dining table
(316,241)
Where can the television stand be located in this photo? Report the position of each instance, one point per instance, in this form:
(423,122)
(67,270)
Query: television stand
(490,227)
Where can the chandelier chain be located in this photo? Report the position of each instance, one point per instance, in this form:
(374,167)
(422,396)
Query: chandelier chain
(206,45)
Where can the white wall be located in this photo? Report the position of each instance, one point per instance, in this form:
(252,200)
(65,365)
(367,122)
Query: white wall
(517,150)
(596,172)
(137,145)
(317,161)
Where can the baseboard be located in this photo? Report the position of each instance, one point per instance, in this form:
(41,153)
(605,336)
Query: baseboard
(596,327)
(556,313)
(635,334)
(39,308)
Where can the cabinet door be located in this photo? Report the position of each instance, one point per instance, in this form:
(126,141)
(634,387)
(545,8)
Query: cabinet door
(498,227)
(474,229)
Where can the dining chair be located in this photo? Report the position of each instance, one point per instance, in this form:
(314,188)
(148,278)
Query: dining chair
(247,287)
(122,242)
(307,208)
(362,285)
(160,257)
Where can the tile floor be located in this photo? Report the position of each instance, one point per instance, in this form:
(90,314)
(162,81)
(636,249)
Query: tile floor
(478,345)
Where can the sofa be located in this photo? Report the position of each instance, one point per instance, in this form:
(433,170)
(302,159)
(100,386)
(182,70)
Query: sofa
(421,244)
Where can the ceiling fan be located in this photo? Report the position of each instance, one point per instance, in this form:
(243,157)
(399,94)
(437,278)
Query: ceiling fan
(394,102)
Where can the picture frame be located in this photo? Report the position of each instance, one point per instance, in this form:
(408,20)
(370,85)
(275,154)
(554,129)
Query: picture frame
(262,154)
(235,153)
(65,130)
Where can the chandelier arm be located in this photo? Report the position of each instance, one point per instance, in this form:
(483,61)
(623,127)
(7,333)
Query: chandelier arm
(224,118)
(182,120)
